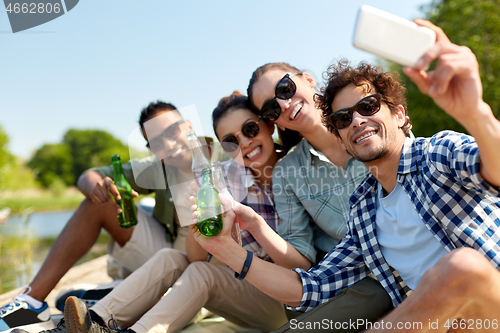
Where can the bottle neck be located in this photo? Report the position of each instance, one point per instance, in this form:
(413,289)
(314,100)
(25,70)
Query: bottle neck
(206,177)
(218,177)
(117,169)
(200,161)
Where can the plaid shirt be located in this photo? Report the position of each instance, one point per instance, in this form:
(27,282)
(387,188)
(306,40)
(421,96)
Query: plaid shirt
(244,189)
(441,177)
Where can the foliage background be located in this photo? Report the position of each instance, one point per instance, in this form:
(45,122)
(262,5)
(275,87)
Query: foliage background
(475,24)
(79,150)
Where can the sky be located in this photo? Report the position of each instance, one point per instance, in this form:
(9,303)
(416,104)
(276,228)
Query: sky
(99,64)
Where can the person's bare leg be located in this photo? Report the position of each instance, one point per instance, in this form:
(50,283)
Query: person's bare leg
(76,239)
(463,286)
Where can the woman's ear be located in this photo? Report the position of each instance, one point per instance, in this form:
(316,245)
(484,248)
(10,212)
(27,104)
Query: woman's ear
(310,80)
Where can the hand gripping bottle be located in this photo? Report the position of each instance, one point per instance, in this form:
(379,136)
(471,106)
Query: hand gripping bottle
(128,217)
(209,208)
(220,185)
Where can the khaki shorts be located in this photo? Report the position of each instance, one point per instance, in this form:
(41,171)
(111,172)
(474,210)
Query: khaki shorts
(148,237)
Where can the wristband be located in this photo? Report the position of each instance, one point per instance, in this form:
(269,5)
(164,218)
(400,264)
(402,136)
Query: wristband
(246,267)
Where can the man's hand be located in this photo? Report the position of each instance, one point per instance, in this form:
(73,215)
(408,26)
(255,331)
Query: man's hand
(101,192)
(455,84)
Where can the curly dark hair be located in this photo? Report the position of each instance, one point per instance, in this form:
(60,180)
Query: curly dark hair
(342,74)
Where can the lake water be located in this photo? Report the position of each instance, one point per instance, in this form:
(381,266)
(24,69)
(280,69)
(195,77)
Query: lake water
(25,241)
(41,225)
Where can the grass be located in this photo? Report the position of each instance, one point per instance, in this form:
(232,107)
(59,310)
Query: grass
(41,200)
(42,203)
(44,200)
(21,258)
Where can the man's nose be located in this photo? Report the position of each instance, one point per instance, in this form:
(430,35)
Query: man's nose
(169,143)
(357,119)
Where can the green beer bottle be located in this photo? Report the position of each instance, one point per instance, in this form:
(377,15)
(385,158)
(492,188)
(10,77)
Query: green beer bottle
(128,217)
(210,212)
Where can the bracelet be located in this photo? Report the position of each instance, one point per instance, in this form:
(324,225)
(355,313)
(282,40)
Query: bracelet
(246,266)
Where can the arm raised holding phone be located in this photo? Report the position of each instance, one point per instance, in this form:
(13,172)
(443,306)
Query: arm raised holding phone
(455,86)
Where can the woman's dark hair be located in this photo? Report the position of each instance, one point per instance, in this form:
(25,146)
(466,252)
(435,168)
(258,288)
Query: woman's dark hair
(227,104)
(152,109)
(341,74)
(289,138)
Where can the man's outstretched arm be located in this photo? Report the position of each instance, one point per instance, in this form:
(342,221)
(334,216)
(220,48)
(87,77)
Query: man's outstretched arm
(278,282)
(455,86)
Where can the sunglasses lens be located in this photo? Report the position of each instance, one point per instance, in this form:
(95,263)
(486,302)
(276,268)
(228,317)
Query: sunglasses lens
(172,132)
(230,144)
(340,119)
(368,106)
(250,129)
(286,88)
(271,110)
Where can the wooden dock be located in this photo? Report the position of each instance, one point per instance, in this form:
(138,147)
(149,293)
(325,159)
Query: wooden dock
(94,273)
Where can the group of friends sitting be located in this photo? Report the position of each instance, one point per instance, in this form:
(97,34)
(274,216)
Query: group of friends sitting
(350,224)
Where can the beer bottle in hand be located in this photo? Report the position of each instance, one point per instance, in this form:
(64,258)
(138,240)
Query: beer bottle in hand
(220,185)
(209,208)
(128,217)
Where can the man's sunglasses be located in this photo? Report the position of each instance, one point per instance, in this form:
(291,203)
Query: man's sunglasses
(250,129)
(342,118)
(171,132)
(285,89)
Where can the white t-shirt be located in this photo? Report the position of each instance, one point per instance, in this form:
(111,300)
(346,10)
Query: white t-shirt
(405,241)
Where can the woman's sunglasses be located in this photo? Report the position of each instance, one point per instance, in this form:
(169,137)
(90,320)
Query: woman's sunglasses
(250,129)
(342,118)
(285,89)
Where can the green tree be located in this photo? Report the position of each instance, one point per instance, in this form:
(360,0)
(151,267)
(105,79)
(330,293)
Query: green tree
(91,148)
(52,163)
(5,156)
(5,159)
(14,175)
(475,24)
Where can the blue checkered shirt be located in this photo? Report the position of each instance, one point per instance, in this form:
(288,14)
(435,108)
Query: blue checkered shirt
(244,189)
(441,177)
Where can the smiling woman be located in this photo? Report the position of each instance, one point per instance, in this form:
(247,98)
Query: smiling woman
(246,137)
(328,168)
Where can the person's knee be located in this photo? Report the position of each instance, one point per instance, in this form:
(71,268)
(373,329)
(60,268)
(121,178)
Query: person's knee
(170,258)
(201,273)
(95,211)
(460,273)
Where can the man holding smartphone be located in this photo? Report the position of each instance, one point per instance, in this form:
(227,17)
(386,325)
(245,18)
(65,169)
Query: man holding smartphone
(427,219)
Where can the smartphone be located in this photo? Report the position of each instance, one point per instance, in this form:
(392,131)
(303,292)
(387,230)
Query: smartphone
(391,37)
